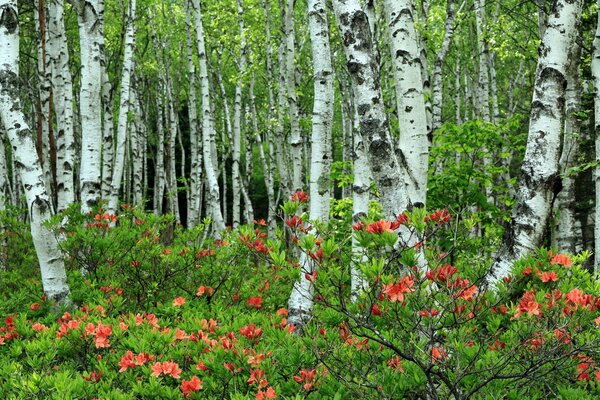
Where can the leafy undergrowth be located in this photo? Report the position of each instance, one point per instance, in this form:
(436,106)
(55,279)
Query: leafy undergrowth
(160,312)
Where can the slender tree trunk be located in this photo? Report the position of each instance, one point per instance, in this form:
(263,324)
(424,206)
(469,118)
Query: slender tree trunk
(438,81)
(295,138)
(62,89)
(123,125)
(540,177)
(90,16)
(194,204)
(301,299)
(596,75)
(236,180)
(354,27)
(208,129)
(159,176)
(54,278)
(567,232)
(413,145)
(137,140)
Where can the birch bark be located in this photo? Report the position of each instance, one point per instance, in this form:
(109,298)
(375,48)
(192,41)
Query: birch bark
(208,130)
(540,178)
(301,299)
(122,127)
(54,278)
(356,38)
(596,76)
(413,145)
(90,18)
(295,138)
(62,88)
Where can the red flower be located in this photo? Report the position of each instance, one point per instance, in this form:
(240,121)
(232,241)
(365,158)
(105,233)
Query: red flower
(166,368)
(395,364)
(268,394)
(255,302)
(307,376)
(439,216)
(294,222)
(205,289)
(379,227)
(299,196)
(528,305)
(358,226)
(395,292)
(548,276)
(437,354)
(312,277)
(178,302)
(34,306)
(375,310)
(442,274)
(429,313)
(250,332)
(190,386)
(561,259)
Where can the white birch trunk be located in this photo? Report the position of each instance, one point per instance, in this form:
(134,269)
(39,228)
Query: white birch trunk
(108,132)
(236,180)
(54,278)
(270,173)
(540,178)
(159,176)
(413,146)
(438,79)
(62,88)
(295,138)
(483,81)
(208,130)
(363,68)
(90,18)
(137,140)
(281,146)
(194,204)
(301,299)
(122,127)
(567,232)
(596,76)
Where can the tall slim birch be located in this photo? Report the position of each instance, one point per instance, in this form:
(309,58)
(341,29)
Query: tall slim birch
(54,278)
(295,138)
(90,15)
(122,127)
(596,75)
(363,68)
(301,298)
(413,144)
(540,176)
(62,89)
(208,129)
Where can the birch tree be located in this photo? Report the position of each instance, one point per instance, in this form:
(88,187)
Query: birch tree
(363,69)
(596,76)
(540,178)
(295,138)
(54,278)
(208,129)
(91,43)
(62,89)
(128,65)
(413,144)
(301,299)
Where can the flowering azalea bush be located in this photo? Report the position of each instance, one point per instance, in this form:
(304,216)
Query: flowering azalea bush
(182,316)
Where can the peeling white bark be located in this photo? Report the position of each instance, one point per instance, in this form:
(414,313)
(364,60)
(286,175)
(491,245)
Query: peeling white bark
(208,130)
(540,179)
(128,65)
(54,278)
